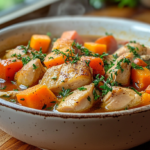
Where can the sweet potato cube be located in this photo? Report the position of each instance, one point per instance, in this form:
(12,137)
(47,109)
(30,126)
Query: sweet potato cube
(40,41)
(38,97)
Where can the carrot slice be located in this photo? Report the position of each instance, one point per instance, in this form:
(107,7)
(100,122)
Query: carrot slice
(72,35)
(96,64)
(38,97)
(96,48)
(140,62)
(110,41)
(40,41)
(140,78)
(9,67)
(145,99)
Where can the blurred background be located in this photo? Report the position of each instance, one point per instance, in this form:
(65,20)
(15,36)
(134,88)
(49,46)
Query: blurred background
(14,11)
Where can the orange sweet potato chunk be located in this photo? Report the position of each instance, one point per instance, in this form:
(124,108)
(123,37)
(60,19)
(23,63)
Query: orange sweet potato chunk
(38,97)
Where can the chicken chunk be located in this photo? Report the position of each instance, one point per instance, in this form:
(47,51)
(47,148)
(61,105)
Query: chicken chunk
(120,98)
(31,73)
(68,75)
(121,70)
(140,49)
(78,101)
(17,51)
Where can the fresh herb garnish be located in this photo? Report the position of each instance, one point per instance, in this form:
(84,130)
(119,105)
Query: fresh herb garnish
(89,98)
(44,106)
(49,108)
(25,49)
(13,55)
(13,100)
(96,96)
(135,66)
(82,88)
(97,80)
(65,92)
(15,89)
(3,88)
(22,99)
(14,60)
(6,96)
(50,57)
(136,91)
(13,82)
(87,62)
(25,60)
(53,102)
(106,33)
(49,34)
(132,41)
(119,65)
(54,78)
(133,50)
(34,66)
(115,56)
(104,54)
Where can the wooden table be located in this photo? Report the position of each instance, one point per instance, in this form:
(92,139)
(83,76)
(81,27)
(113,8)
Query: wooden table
(140,14)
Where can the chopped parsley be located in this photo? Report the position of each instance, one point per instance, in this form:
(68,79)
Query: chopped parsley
(104,54)
(54,78)
(14,60)
(115,56)
(13,55)
(136,91)
(50,57)
(22,99)
(89,98)
(13,82)
(133,50)
(143,45)
(49,34)
(96,96)
(25,60)
(106,33)
(65,92)
(49,108)
(132,41)
(135,66)
(87,62)
(12,100)
(3,88)
(97,80)
(53,102)
(25,49)
(44,106)
(34,66)
(6,96)
(15,89)
(82,88)
(119,65)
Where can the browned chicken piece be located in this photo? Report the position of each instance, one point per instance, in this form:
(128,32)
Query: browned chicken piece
(31,73)
(78,101)
(120,98)
(140,49)
(145,57)
(17,51)
(122,69)
(10,94)
(69,76)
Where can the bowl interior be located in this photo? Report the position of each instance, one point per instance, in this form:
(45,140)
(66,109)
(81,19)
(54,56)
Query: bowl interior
(122,29)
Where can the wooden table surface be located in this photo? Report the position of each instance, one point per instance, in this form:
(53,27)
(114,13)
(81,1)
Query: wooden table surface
(140,14)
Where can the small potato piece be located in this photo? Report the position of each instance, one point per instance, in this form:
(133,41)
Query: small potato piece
(69,76)
(141,50)
(38,97)
(29,75)
(78,101)
(121,98)
(121,76)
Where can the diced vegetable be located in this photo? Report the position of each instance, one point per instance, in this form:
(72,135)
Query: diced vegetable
(95,63)
(145,99)
(72,35)
(140,78)
(38,97)
(9,67)
(96,48)
(40,42)
(109,41)
(53,60)
(140,62)
(148,89)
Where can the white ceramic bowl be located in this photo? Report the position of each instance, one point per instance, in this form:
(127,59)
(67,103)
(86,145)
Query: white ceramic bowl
(67,131)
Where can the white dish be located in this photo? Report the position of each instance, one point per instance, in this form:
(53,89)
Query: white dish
(55,131)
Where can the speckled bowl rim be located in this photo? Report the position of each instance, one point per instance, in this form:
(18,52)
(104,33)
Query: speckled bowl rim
(43,113)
